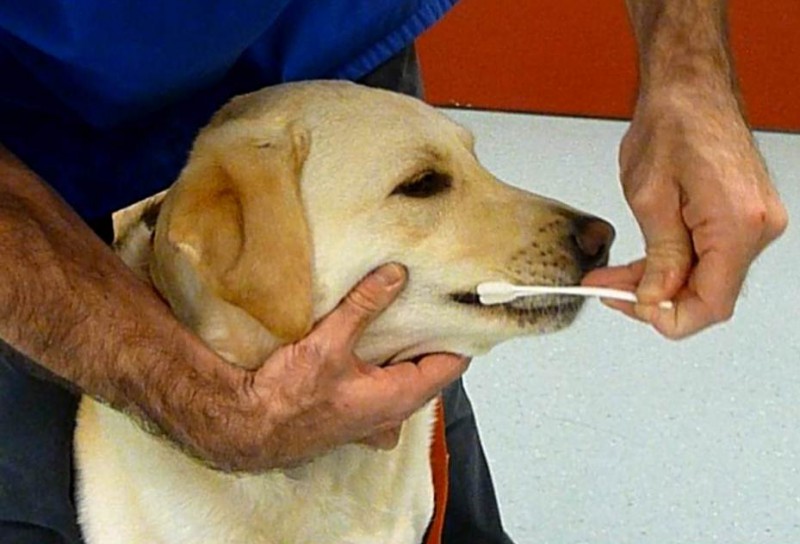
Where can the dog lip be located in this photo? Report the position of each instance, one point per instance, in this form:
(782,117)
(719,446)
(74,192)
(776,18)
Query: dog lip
(396,359)
(563,302)
(466,297)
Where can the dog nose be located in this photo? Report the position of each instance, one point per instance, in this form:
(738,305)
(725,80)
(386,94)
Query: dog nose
(591,239)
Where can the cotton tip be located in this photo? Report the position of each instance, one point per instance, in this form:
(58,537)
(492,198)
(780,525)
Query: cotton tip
(496,292)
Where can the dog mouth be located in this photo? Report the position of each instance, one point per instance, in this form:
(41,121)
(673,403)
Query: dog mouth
(525,308)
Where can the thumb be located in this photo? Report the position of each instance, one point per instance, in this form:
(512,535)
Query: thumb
(386,439)
(363,304)
(669,253)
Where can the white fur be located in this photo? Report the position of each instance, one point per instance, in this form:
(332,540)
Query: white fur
(138,489)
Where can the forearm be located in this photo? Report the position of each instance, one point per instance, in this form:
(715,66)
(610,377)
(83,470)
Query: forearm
(72,306)
(683,43)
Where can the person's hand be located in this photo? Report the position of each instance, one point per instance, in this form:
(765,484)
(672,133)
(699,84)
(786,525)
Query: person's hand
(699,189)
(314,395)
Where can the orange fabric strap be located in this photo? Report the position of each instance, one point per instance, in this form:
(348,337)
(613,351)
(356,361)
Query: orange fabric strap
(440,460)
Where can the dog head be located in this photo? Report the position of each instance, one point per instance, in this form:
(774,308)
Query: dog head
(292,194)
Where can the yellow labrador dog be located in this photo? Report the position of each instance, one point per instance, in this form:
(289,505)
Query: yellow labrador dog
(290,196)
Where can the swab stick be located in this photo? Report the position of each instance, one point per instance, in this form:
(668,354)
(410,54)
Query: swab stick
(499,292)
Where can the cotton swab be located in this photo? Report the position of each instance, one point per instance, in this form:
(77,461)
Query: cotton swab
(499,292)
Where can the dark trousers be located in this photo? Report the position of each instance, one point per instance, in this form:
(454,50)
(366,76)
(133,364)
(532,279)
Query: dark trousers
(37,420)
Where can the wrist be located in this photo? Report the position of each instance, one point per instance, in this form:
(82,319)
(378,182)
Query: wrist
(686,103)
(193,396)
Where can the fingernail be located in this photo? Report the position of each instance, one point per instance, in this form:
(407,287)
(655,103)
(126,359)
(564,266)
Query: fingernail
(390,274)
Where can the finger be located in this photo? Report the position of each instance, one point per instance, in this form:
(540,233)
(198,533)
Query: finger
(667,267)
(625,307)
(614,276)
(625,277)
(363,304)
(710,297)
(380,398)
(412,385)
(668,245)
(384,440)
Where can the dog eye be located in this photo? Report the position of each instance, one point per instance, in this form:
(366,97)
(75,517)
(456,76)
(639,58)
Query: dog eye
(425,185)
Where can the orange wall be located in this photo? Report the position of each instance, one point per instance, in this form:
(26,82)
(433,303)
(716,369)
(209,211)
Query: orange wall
(578,57)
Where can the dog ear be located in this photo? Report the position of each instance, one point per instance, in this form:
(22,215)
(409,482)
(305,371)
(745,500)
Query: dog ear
(236,215)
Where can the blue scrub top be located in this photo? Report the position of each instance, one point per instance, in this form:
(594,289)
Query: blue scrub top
(102,98)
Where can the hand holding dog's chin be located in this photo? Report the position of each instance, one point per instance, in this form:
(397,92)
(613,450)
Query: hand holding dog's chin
(701,194)
(314,395)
